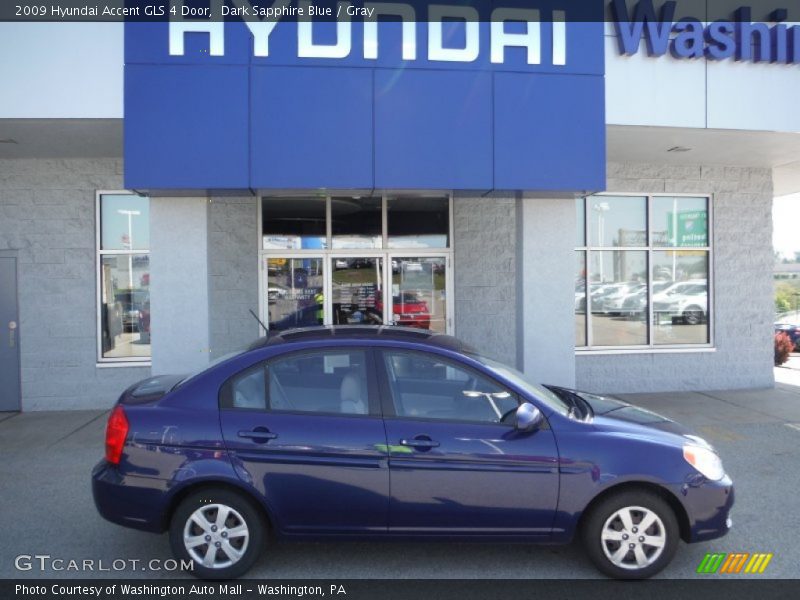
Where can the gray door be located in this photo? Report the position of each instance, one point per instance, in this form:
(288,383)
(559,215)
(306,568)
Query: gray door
(9,335)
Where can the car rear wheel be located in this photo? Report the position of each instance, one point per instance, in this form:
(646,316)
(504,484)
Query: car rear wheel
(631,535)
(693,316)
(219,531)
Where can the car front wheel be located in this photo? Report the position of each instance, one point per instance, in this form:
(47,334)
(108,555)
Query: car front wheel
(631,535)
(219,531)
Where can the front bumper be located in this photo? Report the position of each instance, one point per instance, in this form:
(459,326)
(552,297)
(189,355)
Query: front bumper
(708,505)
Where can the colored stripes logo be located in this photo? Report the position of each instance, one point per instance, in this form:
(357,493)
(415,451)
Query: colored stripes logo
(737,562)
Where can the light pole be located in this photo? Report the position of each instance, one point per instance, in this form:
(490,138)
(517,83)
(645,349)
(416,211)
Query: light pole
(131,214)
(601,208)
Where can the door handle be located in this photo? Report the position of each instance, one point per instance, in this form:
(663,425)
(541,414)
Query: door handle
(422,443)
(12,334)
(260,435)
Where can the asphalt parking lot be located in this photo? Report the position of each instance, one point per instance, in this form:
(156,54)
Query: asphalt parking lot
(47,458)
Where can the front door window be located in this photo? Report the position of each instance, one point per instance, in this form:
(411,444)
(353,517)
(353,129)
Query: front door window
(294,294)
(356,290)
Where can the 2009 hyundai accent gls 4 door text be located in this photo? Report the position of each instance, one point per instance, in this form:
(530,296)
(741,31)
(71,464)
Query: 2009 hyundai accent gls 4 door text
(390,432)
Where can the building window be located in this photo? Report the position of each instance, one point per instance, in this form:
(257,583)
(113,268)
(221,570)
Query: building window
(642,272)
(123,278)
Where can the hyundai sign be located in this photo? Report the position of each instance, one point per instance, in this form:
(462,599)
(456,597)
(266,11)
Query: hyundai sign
(285,95)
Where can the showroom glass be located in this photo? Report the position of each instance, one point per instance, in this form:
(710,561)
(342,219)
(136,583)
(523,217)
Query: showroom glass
(679,222)
(414,222)
(123,278)
(407,234)
(419,292)
(617,221)
(294,294)
(356,223)
(580,222)
(426,386)
(293,223)
(680,307)
(580,298)
(356,295)
(616,279)
(639,291)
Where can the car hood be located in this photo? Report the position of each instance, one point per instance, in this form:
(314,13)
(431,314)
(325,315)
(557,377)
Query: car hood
(613,413)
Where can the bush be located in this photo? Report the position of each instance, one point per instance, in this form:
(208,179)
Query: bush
(783,347)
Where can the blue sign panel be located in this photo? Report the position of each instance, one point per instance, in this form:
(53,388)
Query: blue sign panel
(449,102)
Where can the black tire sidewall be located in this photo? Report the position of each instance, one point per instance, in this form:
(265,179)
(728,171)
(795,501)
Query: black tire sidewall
(595,520)
(238,502)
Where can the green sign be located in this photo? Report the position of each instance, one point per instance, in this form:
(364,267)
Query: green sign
(687,228)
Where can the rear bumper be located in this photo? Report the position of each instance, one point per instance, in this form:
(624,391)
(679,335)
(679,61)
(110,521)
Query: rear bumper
(126,500)
(708,505)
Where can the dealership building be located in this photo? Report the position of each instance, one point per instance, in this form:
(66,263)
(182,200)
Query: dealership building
(587,200)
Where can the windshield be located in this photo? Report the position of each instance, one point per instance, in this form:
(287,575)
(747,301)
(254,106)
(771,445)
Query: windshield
(521,381)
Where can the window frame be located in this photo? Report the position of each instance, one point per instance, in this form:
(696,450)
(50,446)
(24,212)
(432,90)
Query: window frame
(102,361)
(327,253)
(649,249)
(373,389)
(387,398)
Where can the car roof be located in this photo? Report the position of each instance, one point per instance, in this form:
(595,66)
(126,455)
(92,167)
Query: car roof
(364,332)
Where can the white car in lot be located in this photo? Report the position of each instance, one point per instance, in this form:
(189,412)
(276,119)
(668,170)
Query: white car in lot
(684,300)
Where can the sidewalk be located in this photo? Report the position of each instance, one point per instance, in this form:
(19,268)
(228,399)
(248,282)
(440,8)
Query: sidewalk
(789,372)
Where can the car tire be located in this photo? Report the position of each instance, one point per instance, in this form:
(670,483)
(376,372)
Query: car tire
(238,539)
(614,523)
(693,316)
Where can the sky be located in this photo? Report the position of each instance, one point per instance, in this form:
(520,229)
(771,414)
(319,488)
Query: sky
(786,225)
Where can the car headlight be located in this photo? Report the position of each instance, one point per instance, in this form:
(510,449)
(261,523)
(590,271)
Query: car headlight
(706,461)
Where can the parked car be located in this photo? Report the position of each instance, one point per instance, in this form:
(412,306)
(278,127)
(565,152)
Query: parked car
(409,310)
(686,301)
(389,432)
(131,302)
(276,291)
(613,303)
(791,328)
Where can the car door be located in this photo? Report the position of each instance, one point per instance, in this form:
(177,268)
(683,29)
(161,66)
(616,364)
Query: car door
(455,468)
(305,430)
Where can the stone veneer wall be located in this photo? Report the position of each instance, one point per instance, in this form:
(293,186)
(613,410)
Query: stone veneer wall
(47,215)
(233,273)
(484,231)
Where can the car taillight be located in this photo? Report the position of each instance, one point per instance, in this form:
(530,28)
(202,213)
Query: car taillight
(116,432)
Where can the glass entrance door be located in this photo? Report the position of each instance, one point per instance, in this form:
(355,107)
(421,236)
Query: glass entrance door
(356,289)
(293,294)
(419,287)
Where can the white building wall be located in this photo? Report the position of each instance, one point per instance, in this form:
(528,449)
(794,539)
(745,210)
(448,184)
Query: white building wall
(545,317)
(47,215)
(669,92)
(179,284)
(61,70)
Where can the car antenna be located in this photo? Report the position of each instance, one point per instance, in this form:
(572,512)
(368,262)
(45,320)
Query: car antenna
(260,322)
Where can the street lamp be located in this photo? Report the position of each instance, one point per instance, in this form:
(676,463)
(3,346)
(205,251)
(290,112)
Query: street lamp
(601,208)
(130,214)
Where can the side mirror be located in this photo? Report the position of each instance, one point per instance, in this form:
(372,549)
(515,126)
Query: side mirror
(528,417)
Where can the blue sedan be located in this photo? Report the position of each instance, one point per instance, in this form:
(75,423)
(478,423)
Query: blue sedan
(384,432)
